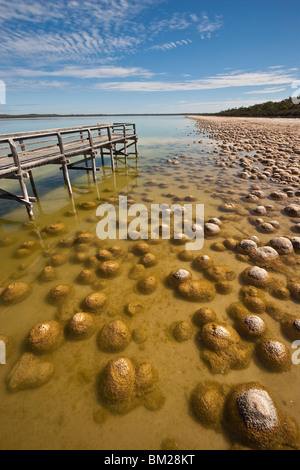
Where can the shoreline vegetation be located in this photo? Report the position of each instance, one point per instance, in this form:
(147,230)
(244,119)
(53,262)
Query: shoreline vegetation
(270,109)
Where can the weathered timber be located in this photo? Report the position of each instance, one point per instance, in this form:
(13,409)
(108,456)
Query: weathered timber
(30,150)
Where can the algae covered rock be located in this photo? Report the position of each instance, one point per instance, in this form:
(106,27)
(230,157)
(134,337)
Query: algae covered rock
(221,273)
(149,260)
(218,336)
(253,299)
(223,348)
(178,276)
(202,262)
(54,229)
(145,378)
(29,372)
(291,328)
(109,269)
(257,277)
(48,274)
(255,420)
(251,326)
(148,285)
(81,325)
(294,288)
(86,238)
(197,291)
(15,292)
(274,355)
(60,293)
(114,336)
(95,302)
(182,331)
(207,404)
(204,315)
(117,383)
(45,337)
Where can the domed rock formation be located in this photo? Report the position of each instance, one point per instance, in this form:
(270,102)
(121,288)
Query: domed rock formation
(45,337)
(15,292)
(114,336)
(29,372)
(197,291)
(256,421)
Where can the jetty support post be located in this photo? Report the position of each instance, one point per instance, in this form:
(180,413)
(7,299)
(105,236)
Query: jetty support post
(93,158)
(111,149)
(21,177)
(64,164)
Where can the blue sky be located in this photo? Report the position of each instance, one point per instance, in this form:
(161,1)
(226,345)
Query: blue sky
(151,56)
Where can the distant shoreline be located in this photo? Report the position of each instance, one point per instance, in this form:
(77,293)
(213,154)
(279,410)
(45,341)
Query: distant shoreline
(42,116)
(57,116)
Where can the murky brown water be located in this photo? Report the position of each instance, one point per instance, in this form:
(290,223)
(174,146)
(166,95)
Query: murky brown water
(66,412)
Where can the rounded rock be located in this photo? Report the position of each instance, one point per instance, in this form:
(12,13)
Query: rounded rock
(81,326)
(15,292)
(252,414)
(197,291)
(149,260)
(251,326)
(60,293)
(178,276)
(218,336)
(291,328)
(207,405)
(145,378)
(95,302)
(45,337)
(118,381)
(256,276)
(204,315)
(221,273)
(202,262)
(211,229)
(293,210)
(183,331)
(274,355)
(109,269)
(148,285)
(282,245)
(114,336)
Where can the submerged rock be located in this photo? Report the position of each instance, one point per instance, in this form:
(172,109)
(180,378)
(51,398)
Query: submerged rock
(95,302)
(81,325)
(182,331)
(254,418)
(114,336)
(29,372)
(293,210)
(118,381)
(207,405)
(197,291)
(45,337)
(15,292)
(274,355)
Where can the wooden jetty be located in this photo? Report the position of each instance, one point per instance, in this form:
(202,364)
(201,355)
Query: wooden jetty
(21,153)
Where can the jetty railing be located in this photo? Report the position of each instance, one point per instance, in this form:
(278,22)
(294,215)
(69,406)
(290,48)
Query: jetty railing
(21,153)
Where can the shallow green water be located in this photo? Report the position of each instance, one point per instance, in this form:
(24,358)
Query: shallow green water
(66,413)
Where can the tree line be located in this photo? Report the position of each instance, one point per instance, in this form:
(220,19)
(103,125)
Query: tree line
(284,108)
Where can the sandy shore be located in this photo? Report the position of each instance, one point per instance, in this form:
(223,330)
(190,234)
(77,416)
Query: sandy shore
(257,120)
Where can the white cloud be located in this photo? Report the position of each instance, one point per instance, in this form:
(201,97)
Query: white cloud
(265,90)
(209,83)
(206,26)
(171,45)
(82,72)
(181,21)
